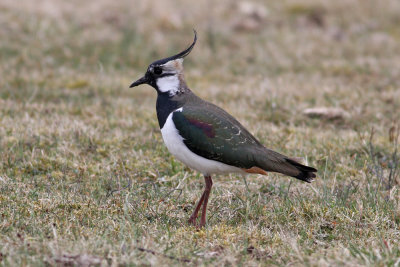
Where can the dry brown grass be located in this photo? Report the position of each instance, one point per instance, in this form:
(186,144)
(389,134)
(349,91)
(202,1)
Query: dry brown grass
(86,180)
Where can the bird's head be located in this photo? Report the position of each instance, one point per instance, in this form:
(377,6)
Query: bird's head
(166,75)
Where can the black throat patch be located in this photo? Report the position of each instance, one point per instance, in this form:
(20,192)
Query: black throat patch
(165,105)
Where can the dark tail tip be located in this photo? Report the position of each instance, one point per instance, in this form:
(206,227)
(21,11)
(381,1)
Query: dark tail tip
(306,174)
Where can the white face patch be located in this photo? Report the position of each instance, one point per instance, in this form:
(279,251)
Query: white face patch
(168,84)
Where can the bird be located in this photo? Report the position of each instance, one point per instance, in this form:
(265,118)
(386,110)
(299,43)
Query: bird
(205,137)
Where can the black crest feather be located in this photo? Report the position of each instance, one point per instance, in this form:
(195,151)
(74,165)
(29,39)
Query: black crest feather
(182,54)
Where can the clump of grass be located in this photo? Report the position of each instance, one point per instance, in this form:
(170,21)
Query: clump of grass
(385,165)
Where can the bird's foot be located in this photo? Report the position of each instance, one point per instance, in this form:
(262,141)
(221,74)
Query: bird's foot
(202,222)
(192,221)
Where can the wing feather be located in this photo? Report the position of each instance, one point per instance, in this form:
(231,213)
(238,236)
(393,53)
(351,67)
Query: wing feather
(215,136)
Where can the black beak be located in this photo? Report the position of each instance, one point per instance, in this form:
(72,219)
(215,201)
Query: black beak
(139,82)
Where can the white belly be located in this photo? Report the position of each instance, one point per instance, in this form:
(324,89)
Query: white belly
(175,145)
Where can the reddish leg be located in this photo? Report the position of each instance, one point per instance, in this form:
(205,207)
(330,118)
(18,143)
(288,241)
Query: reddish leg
(203,201)
(192,219)
(206,193)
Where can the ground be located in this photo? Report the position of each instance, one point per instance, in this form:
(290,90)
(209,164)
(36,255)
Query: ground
(85,178)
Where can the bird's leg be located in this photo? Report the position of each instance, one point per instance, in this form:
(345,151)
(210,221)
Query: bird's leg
(207,191)
(193,217)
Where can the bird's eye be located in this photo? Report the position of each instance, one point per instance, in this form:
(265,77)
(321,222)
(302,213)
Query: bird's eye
(157,70)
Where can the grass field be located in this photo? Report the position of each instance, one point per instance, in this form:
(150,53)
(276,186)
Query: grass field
(85,178)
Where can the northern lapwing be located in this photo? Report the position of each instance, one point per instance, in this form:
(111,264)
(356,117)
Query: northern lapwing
(205,137)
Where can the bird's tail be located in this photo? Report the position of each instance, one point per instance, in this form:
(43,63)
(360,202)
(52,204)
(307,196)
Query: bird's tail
(306,173)
(275,162)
